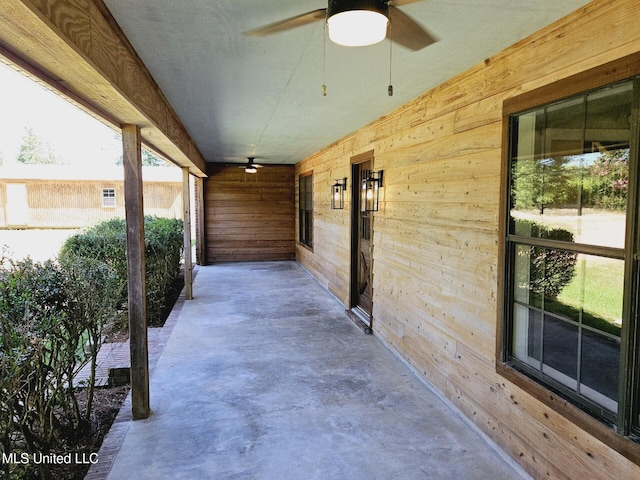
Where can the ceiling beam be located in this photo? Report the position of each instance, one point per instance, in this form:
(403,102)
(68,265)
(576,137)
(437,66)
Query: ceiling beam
(77,48)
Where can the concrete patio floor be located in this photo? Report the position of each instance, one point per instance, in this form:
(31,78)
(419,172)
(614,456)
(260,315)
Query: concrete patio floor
(265,377)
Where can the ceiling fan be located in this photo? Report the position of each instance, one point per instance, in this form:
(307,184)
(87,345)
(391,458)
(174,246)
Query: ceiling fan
(251,166)
(358,23)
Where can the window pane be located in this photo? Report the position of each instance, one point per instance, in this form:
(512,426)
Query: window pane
(526,277)
(560,351)
(301,193)
(563,131)
(578,343)
(541,274)
(599,368)
(309,200)
(305,201)
(594,296)
(527,336)
(308,228)
(570,169)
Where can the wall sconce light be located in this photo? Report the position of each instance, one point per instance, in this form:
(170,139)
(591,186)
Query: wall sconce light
(337,194)
(370,190)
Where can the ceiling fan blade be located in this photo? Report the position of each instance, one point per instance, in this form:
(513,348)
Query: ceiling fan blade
(250,163)
(293,22)
(399,3)
(407,32)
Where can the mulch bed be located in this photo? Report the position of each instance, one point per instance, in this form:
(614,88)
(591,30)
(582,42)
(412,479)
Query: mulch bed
(106,405)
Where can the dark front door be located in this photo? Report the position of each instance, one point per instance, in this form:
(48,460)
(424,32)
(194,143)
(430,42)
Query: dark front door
(361,235)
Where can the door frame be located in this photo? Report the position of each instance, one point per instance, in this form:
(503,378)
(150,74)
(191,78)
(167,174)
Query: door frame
(354,296)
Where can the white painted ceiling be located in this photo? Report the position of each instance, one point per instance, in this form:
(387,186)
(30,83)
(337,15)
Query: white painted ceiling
(242,96)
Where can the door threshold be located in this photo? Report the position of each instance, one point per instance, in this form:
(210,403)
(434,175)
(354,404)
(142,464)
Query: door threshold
(359,318)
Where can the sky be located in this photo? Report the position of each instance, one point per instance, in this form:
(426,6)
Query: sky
(71,133)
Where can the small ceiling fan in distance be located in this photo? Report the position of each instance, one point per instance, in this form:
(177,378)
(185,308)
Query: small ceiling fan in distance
(357,23)
(250,166)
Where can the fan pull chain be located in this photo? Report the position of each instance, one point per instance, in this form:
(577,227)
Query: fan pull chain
(324,60)
(390,87)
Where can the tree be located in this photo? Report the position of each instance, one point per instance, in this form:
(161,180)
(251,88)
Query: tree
(36,152)
(151,160)
(610,179)
(148,158)
(538,183)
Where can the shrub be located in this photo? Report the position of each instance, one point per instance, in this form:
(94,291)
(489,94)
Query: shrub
(107,242)
(551,269)
(93,290)
(164,241)
(46,312)
(35,353)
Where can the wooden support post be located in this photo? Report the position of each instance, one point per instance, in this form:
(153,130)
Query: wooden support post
(201,249)
(136,272)
(186,218)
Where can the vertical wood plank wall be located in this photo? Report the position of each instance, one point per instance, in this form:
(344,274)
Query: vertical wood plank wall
(436,235)
(75,204)
(249,217)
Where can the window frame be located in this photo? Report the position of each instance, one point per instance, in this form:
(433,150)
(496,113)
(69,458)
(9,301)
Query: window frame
(104,191)
(305,235)
(623,435)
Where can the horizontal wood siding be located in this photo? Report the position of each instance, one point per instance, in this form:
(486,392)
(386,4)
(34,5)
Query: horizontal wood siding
(436,236)
(329,259)
(249,216)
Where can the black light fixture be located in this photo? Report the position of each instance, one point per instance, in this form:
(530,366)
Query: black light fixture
(370,191)
(337,194)
(357,23)
(251,166)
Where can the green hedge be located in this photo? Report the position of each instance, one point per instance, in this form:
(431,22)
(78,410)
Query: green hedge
(551,269)
(52,317)
(107,242)
(48,312)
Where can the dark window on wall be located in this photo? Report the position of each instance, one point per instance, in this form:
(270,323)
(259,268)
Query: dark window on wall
(305,202)
(108,197)
(571,251)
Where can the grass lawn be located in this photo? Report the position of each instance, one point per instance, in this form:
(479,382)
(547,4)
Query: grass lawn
(597,288)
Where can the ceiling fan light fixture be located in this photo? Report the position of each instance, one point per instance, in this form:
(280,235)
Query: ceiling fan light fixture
(251,167)
(357,23)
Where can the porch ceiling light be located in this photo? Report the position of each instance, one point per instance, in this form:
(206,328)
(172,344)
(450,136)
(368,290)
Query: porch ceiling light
(251,166)
(337,194)
(370,191)
(357,23)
